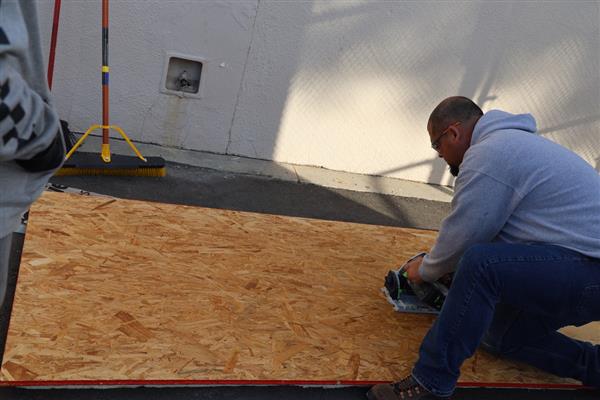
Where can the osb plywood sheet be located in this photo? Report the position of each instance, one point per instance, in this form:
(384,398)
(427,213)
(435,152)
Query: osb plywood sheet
(128,290)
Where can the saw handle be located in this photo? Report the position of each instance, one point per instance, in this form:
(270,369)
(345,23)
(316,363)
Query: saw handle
(402,269)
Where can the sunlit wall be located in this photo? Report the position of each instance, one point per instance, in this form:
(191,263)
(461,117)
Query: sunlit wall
(346,85)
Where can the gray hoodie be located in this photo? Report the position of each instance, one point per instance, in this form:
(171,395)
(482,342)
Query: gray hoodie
(517,187)
(31,148)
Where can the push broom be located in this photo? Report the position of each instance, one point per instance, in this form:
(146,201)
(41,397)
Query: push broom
(82,163)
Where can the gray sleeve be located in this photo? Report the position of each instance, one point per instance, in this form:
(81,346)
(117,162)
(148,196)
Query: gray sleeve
(29,126)
(480,208)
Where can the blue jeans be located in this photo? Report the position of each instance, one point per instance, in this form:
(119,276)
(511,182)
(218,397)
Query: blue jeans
(511,298)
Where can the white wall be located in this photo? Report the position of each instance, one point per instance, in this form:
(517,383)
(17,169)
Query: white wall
(347,85)
(140,35)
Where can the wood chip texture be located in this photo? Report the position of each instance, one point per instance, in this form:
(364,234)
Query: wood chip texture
(132,290)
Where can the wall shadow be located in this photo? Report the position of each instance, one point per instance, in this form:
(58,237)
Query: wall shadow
(483,68)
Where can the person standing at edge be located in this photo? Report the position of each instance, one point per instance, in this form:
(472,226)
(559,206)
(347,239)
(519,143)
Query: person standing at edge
(524,239)
(31,143)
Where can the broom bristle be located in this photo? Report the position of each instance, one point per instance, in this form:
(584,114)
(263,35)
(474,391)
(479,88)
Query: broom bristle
(74,171)
(87,164)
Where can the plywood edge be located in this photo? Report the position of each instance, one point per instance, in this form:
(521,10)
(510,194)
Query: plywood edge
(315,383)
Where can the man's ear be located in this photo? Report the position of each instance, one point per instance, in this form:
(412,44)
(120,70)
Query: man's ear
(455,133)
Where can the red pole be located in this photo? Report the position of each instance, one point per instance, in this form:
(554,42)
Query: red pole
(53,42)
(105,119)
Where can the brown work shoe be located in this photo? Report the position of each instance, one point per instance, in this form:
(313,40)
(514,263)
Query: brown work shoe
(406,389)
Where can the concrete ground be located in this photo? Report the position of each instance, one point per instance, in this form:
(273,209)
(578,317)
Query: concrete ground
(249,185)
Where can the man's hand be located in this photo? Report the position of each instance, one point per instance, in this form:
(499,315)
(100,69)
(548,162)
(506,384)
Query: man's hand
(412,269)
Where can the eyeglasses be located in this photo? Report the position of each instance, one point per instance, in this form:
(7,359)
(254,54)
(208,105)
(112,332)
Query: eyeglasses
(436,143)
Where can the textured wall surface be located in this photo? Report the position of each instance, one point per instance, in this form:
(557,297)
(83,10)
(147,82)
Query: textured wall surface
(347,85)
(140,35)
